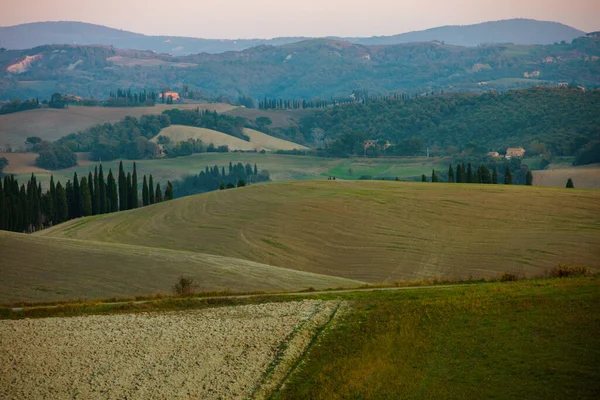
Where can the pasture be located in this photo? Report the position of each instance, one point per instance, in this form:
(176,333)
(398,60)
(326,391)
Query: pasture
(52,124)
(369,231)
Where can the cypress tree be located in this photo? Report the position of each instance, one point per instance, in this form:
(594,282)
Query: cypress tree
(529,178)
(62,208)
(103,198)
(134,188)
(76,197)
(450,174)
(158,194)
(169,190)
(495,176)
(96,196)
(85,197)
(222,171)
(230,167)
(23,216)
(3,211)
(570,184)
(507,176)
(129,204)
(122,188)
(434,177)
(222,186)
(150,190)
(423,178)
(91,189)
(112,193)
(145,194)
(255,169)
(53,196)
(470,177)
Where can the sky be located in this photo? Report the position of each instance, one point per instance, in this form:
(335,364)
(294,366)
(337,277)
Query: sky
(232,19)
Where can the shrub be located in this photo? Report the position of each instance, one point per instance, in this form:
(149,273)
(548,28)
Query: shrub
(564,271)
(510,277)
(185,286)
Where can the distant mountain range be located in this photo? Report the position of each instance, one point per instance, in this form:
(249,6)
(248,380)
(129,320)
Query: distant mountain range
(517,31)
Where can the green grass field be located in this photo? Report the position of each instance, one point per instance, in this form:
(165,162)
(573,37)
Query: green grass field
(369,231)
(520,340)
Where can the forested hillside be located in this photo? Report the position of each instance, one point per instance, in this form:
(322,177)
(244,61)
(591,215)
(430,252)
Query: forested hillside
(313,69)
(556,120)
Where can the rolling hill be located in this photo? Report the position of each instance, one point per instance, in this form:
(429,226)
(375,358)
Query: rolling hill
(52,124)
(369,231)
(50,269)
(518,31)
(258,140)
(317,68)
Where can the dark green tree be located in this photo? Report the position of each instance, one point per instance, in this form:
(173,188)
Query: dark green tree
(450,174)
(507,176)
(134,188)
(151,190)
(90,182)
(222,186)
(85,197)
(53,196)
(62,208)
(129,191)
(570,184)
(145,194)
(529,178)
(495,175)
(255,169)
(423,178)
(470,176)
(169,191)
(122,188)
(434,177)
(111,193)
(241,183)
(96,195)
(77,212)
(158,194)
(102,195)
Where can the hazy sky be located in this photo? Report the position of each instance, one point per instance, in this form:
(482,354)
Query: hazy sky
(271,18)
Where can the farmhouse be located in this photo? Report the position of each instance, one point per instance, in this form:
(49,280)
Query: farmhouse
(517,152)
(494,154)
(173,95)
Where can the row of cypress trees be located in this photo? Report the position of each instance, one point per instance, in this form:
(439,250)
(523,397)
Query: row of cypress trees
(27,208)
(481,174)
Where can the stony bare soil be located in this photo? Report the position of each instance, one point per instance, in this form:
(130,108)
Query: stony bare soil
(218,353)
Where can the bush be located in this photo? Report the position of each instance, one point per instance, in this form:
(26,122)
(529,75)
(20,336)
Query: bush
(56,157)
(185,286)
(564,271)
(510,277)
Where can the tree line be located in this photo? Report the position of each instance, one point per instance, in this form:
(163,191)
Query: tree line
(215,178)
(127,98)
(27,208)
(478,174)
(210,120)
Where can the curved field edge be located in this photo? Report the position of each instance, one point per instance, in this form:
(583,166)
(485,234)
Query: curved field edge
(53,269)
(370,231)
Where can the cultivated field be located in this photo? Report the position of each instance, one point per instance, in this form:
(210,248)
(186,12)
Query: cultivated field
(260,139)
(369,231)
(584,177)
(49,269)
(52,124)
(206,354)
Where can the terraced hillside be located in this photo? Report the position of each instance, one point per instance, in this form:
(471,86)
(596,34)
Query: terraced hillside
(49,269)
(369,230)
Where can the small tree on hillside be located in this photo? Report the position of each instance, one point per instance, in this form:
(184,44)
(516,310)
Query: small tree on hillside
(434,177)
(450,174)
(423,178)
(570,184)
(185,286)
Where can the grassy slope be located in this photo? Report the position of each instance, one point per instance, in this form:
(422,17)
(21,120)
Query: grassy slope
(269,142)
(370,231)
(279,118)
(49,269)
(179,133)
(52,124)
(531,339)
